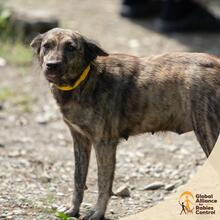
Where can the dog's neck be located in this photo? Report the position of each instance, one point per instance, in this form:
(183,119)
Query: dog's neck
(78,81)
(83,90)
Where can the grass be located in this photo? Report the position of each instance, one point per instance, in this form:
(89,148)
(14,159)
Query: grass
(49,200)
(11,48)
(15,53)
(5,94)
(23,101)
(62,215)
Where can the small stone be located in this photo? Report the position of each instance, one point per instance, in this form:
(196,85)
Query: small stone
(88,205)
(2,145)
(45,178)
(132,187)
(2,62)
(133,43)
(54,206)
(18,212)
(52,188)
(123,191)
(61,208)
(154,186)
(60,194)
(170,187)
(112,211)
(42,119)
(3,215)
(71,218)
(21,121)
(17,153)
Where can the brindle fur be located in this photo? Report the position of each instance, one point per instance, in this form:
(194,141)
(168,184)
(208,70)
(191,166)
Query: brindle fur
(127,95)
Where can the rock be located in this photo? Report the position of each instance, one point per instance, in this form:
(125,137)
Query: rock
(112,211)
(2,62)
(28,23)
(60,194)
(123,191)
(52,188)
(17,153)
(21,121)
(45,178)
(61,208)
(87,205)
(154,186)
(132,187)
(170,187)
(157,175)
(43,118)
(2,145)
(54,207)
(1,107)
(9,216)
(3,215)
(172,148)
(18,212)
(134,43)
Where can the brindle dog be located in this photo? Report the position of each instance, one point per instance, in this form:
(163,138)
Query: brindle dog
(125,95)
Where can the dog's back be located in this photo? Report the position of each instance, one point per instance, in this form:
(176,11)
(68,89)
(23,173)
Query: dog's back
(176,92)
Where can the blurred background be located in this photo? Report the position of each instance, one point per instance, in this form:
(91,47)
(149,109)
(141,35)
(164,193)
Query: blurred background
(36,171)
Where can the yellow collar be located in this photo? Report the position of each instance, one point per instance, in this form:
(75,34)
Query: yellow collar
(78,81)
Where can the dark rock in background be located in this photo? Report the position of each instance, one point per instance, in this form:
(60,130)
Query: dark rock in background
(25,24)
(29,23)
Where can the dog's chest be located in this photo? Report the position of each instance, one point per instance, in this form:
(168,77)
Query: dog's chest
(79,118)
(75,127)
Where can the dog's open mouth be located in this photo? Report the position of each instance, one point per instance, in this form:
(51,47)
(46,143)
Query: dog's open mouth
(51,77)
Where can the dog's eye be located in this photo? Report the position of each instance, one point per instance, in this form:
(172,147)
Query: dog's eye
(70,47)
(46,46)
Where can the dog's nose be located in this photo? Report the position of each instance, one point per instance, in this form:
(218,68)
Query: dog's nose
(53,64)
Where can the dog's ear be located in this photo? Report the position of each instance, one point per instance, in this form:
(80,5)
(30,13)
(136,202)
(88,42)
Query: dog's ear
(36,43)
(92,50)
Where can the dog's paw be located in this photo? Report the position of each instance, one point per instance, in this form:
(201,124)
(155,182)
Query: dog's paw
(96,216)
(88,215)
(72,212)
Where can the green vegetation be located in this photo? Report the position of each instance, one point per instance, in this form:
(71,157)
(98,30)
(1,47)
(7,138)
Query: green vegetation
(5,93)
(11,48)
(49,199)
(23,101)
(62,215)
(15,53)
(5,16)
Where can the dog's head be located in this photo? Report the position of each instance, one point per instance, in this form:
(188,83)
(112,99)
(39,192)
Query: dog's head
(64,54)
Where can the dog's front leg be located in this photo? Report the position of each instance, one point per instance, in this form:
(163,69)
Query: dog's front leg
(106,159)
(82,149)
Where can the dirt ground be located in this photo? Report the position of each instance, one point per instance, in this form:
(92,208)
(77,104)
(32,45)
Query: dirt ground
(36,159)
